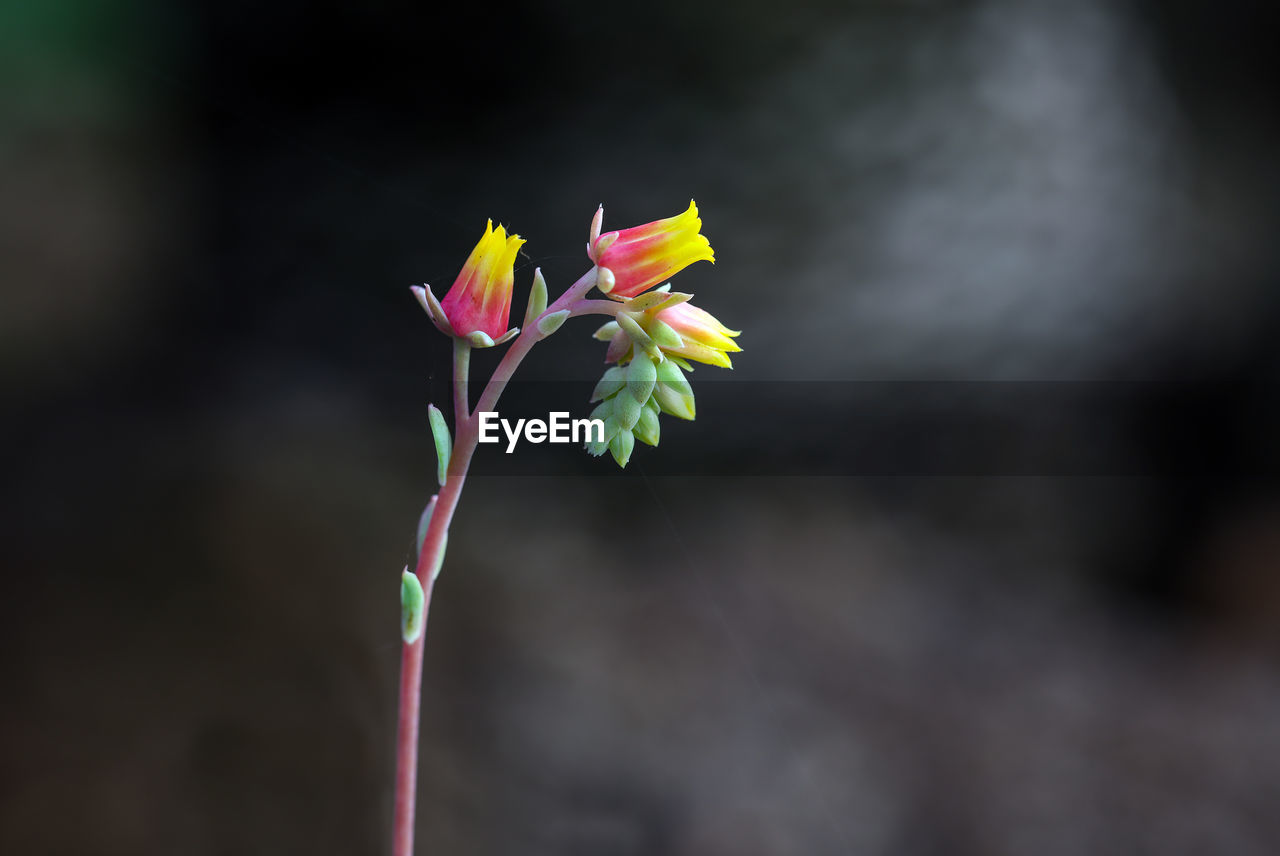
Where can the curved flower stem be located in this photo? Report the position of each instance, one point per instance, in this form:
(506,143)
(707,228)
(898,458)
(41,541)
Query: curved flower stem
(411,654)
(466,435)
(528,337)
(594,307)
(428,560)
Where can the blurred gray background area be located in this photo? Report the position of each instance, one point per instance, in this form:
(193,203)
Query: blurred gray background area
(976,550)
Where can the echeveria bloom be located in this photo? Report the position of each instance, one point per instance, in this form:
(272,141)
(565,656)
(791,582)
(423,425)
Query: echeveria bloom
(480,299)
(704,338)
(668,328)
(643,256)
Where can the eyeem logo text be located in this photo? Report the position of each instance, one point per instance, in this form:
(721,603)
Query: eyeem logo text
(558,428)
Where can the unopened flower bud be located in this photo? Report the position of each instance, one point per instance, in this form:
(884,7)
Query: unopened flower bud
(620,446)
(614,378)
(646,429)
(670,376)
(680,405)
(480,299)
(626,410)
(641,376)
(603,412)
(703,337)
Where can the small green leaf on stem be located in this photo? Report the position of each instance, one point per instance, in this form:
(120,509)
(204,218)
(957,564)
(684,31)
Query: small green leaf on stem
(537,298)
(552,322)
(444,442)
(412,607)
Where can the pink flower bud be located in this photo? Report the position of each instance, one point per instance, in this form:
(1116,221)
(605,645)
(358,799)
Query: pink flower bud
(480,299)
(705,339)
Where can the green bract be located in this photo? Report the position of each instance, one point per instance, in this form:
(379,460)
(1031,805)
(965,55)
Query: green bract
(443,440)
(412,601)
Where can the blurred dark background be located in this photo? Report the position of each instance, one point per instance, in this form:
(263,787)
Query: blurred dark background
(976,551)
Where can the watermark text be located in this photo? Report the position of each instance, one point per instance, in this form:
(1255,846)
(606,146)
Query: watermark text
(557,428)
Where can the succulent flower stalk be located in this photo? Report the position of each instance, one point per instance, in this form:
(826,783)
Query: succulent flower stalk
(653,335)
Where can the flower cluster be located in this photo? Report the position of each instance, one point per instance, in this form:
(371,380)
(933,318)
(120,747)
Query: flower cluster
(655,335)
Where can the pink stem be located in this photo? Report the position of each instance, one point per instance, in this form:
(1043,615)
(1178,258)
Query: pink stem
(411,654)
(464,445)
(595,307)
(528,337)
(461,372)
(407,743)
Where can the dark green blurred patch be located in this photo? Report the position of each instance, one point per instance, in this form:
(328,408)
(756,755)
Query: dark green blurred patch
(82,58)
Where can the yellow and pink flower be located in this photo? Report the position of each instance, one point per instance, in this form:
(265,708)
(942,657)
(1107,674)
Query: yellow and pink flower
(480,300)
(643,256)
(703,338)
(667,325)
